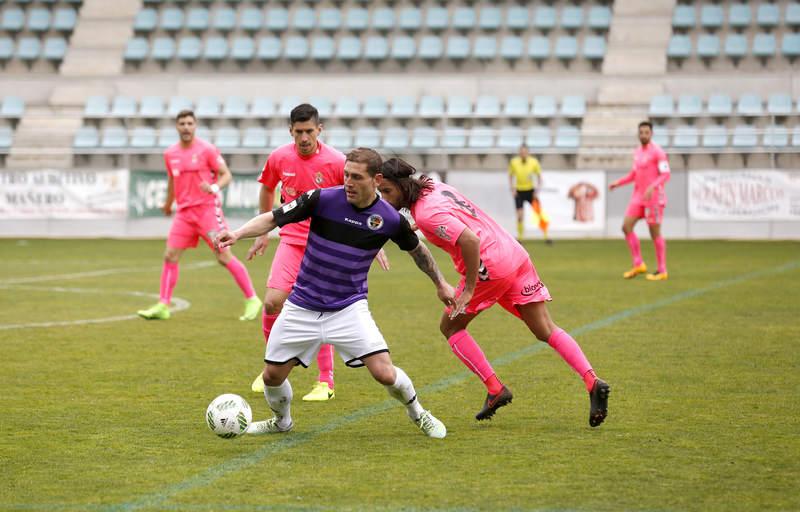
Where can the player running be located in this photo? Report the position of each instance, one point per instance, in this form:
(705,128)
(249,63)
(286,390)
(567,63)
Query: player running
(494,269)
(328,303)
(649,173)
(196,172)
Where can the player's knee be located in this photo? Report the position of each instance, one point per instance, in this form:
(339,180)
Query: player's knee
(384,374)
(272,377)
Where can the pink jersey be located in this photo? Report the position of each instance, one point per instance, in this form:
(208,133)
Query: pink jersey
(189,167)
(649,165)
(442,215)
(298,174)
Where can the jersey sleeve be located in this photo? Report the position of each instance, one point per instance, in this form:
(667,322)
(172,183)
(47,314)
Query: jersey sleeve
(166,164)
(443,225)
(663,163)
(537,167)
(213,157)
(405,238)
(269,178)
(297,210)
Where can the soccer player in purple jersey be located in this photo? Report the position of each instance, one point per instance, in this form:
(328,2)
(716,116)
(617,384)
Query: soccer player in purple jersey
(349,225)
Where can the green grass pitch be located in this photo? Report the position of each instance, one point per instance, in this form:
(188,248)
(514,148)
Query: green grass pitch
(109,415)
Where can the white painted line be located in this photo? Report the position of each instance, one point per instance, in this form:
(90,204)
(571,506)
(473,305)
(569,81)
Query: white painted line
(98,273)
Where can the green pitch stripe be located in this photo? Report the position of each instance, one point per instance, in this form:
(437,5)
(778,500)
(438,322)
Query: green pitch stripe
(157,500)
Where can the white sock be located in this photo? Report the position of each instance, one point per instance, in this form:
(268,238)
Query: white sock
(403,391)
(279,399)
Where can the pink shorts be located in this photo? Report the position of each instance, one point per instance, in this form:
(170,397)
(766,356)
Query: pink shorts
(193,223)
(653,213)
(520,287)
(285,266)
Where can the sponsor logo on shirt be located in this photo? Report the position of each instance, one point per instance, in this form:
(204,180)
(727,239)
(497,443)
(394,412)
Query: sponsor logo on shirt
(289,206)
(441,232)
(353,221)
(288,173)
(375,222)
(530,289)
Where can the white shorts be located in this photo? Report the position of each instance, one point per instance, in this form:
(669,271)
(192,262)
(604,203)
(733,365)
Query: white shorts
(298,334)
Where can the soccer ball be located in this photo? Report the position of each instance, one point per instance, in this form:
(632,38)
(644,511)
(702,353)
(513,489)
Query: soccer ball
(229,415)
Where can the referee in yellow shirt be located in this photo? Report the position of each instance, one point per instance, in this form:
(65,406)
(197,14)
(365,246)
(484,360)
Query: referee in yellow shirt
(525,176)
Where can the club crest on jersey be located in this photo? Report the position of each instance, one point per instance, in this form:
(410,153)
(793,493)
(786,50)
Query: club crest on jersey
(290,191)
(375,222)
(318,179)
(441,232)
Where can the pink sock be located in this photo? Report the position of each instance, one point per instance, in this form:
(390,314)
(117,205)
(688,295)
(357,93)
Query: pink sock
(571,352)
(241,276)
(661,254)
(325,363)
(169,278)
(633,245)
(267,321)
(468,351)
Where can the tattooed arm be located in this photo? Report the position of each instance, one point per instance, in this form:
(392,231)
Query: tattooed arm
(424,260)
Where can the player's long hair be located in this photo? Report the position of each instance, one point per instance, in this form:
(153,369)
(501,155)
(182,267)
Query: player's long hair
(400,172)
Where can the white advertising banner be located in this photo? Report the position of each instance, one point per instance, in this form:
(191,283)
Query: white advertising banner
(750,195)
(570,201)
(61,194)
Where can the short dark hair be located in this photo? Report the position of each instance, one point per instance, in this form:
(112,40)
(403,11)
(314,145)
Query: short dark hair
(367,156)
(401,173)
(185,113)
(302,113)
(647,124)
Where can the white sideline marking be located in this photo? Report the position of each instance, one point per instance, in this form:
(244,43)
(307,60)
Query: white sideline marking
(96,273)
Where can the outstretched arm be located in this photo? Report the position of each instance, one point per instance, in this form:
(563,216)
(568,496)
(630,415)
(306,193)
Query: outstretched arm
(266,200)
(424,260)
(628,178)
(260,225)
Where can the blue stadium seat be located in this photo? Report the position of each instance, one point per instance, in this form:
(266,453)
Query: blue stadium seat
(323,104)
(224,20)
(136,49)
(163,49)
(13,20)
(367,137)
(6,137)
(510,137)
(215,49)
(480,137)
(167,136)
(330,20)
(243,49)
(262,107)
(775,137)
(424,137)
(719,105)
(410,19)
(568,137)
(790,46)
(64,19)
(86,138)
(661,106)
(431,48)
(744,137)
(566,48)
(347,107)
(29,49)
(711,16)
(38,20)
(146,20)
(96,106)
(686,137)
(518,17)
(288,103)
(708,46)
(539,48)
(485,48)
(571,17)
(277,19)
(123,106)
(383,19)
(679,47)
(490,18)
(339,138)
(227,138)
(234,107)
(544,106)
(459,107)
(684,16)
(114,137)
(190,48)
(304,19)
(544,18)
(516,107)
(269,48)
(13,107)
(537,137)
(594,47)
(715,136)
(739,15)
(796,136)
(403,107)
(55,48)
(792,16)
(454,138)
(178,103)
(203,132)
(749,105)
(431,106)
(511,48)
(198,19)
(573,106)
(690,105)
(376,49)
(254,137)
(661,135)
(6,49)
(143,137)
(296,48)
(458,48)
(735,46)
(207,106)
(251,20)
(599,17)
(152,107)
(437,18)
(487,106)
(171,19)
(357,20)
(464,19)
(779,104)
(279,137)
(349,49)
(764,45)
(767,15)
(322,48)
(403,48)
(375,107)
(395,138)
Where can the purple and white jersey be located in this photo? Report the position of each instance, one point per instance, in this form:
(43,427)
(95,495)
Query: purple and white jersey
(342,243)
